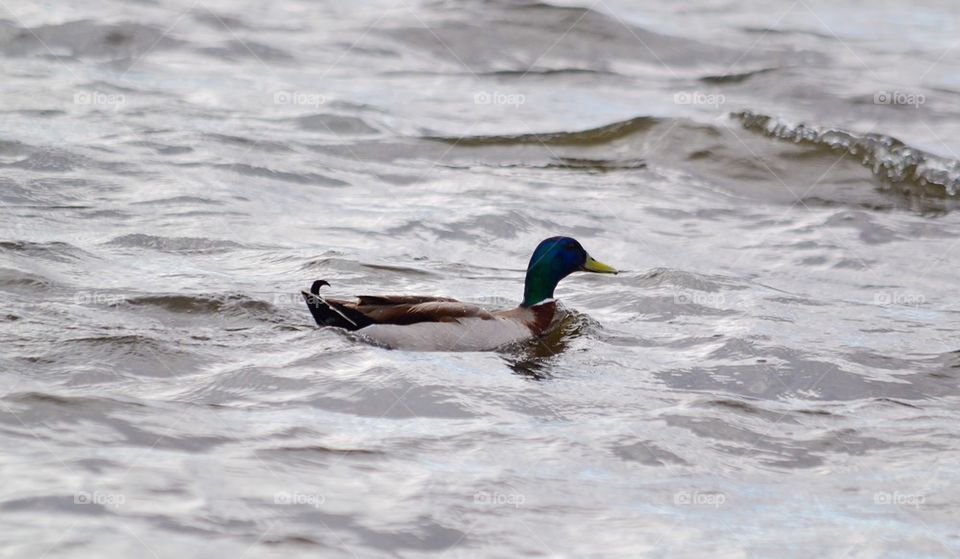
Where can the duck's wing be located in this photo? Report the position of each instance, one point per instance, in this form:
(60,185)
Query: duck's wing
(401,299)
(387,309)
(443,310)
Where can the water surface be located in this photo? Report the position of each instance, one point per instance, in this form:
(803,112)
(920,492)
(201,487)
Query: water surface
(775,372)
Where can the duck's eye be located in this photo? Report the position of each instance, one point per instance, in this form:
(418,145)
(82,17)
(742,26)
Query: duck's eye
(569,246)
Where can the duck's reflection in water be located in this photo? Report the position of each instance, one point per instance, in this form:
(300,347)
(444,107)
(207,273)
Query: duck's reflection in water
(533,358)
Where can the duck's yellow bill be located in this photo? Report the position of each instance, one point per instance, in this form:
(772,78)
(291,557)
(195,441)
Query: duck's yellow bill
(596,266)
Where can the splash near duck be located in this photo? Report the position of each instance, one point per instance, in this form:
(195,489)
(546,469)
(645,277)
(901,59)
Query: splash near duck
(426,323)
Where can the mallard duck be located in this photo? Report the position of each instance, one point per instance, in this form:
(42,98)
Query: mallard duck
(442,324)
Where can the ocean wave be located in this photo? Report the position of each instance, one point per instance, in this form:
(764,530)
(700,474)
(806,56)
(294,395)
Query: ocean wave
(205,304)
(588,137)
(888,158)
(174,244)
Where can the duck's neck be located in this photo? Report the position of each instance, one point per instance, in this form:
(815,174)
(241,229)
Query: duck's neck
(538,286)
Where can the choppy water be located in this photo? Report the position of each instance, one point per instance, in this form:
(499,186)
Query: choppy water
(775,374)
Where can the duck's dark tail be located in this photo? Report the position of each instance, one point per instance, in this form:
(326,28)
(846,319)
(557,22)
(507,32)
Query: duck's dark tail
(329,312)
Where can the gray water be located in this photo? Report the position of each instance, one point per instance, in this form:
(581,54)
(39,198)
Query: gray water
(773,374)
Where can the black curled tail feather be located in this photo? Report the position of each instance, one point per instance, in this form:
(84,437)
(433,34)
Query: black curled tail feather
(315,288)
(331,313)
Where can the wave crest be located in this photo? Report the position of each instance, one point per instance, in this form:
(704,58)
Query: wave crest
(888,158)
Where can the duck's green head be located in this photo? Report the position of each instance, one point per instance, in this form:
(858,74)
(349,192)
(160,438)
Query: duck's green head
(554,259)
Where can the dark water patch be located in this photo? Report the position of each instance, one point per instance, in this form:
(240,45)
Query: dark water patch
(794,300)
(118,340)
(813,412)
(683,279)
(55,251)
(327,263)
(321,451)
(748,368)
(36,113)
(291,540)
(173,150)
(662,309)
(549,72)
(314,179)
(108,216)
(122,355)
(511,225)
(870,231)
(248,49)
(65,191)
(18,279)
(586,164)
(241,386)
(248,143)
(589,137)
(87,402)
(86,38)
(745,407)
(220,21)
(225,304)
(421,534)
(161,148)
(600,165)
(487,37)
(336,124)
(97,466)
(738,440)
(405,270)
(178,201)
(373,51)
(53,504)
(736,78)
(15,148)
(60,416)
(898,403)
(110,86)
(399,179)
(406,151)
(871,206)
(186,245)
(853,443)
(648,453)
(783,31)
(54,160)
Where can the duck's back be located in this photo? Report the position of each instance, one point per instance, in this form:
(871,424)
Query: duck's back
(424,323)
